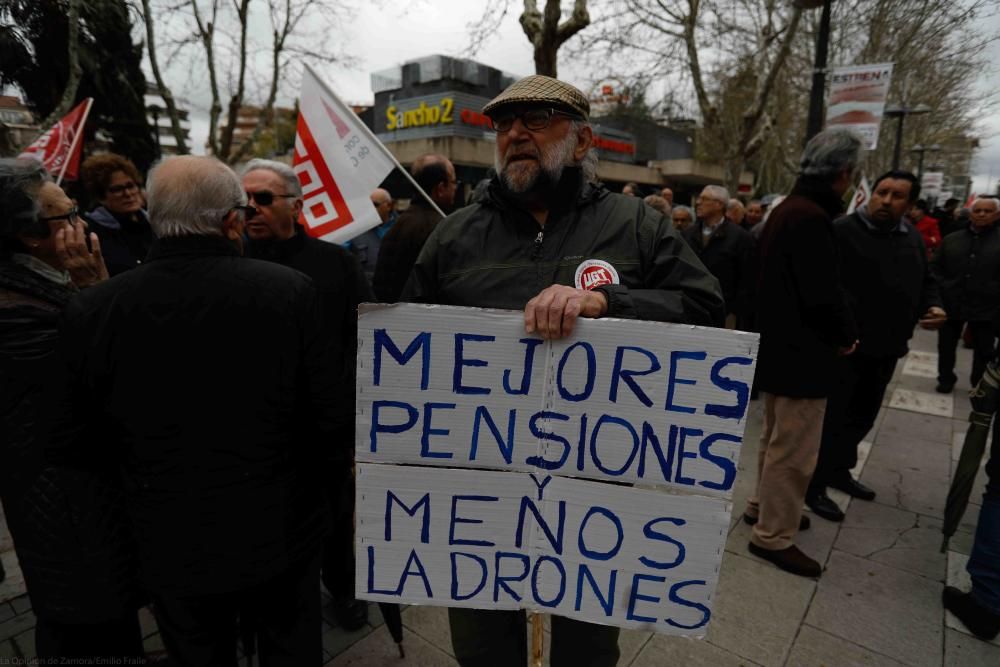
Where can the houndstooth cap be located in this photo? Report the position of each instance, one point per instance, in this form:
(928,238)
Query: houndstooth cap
(538,89)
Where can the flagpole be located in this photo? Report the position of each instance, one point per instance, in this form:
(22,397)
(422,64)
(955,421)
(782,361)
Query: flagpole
(76,140)
(372,137)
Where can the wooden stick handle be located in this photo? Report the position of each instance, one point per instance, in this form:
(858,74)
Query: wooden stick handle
(537,640)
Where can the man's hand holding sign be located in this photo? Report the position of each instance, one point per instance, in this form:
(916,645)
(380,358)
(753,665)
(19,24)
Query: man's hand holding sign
(552,314)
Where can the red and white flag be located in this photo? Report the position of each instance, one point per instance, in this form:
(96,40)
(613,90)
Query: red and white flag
(861,195)
(339,162)
(59,148)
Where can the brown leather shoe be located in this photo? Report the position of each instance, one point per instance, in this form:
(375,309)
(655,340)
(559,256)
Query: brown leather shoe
(804,522)
(789,559)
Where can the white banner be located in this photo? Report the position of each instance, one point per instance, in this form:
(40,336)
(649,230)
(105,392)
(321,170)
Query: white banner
(463,390)
(857,99)
(861,195)
(339,162)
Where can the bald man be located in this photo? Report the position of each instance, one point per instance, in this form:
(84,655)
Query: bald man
(366,245)
(237,397)
(668,194)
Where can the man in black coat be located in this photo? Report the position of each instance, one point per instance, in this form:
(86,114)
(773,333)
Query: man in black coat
(968,265)
(726,250)
(889,286)
(435,174)
(221,390)
(804,323)
(275,236)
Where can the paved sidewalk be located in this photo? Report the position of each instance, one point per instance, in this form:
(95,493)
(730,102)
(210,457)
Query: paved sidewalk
(877,603)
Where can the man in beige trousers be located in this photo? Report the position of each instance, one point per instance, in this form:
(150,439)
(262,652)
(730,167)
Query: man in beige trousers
(804,323)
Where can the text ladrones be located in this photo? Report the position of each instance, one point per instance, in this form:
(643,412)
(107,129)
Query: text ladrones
(509,424)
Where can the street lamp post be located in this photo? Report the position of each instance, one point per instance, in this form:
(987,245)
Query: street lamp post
(815,122)
(902,111)
(155,110)
(920,149)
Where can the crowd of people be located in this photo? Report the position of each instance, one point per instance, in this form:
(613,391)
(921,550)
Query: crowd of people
(177,390)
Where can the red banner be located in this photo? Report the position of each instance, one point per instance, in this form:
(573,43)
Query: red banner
(59,148)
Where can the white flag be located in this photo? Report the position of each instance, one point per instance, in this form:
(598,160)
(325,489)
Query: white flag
(861,195)
(339,162)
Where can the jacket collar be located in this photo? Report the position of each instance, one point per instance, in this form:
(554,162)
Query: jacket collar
(278,251)
(195,245)
(570,192)
(106,218)
(819,191)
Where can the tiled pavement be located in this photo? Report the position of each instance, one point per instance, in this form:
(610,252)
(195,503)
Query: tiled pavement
(877,603)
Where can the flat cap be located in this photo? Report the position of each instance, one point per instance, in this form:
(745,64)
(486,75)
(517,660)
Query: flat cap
(538,89)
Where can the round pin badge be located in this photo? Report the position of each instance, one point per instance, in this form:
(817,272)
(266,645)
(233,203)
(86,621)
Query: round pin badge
(593,273)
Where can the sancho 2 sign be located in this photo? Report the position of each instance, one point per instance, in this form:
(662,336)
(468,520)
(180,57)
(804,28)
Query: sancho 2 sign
(589,477)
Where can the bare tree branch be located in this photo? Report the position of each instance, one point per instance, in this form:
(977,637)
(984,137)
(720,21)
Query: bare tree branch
(168,98)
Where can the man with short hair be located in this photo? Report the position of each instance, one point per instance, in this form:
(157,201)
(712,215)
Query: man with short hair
(668,194)
(735,212)
(804,323)
(631,190)
(435,174)
(926,225)
(725,249)
(277,236)
(967,264)
(755,213)
(889,287)
(547,238)
(212,383)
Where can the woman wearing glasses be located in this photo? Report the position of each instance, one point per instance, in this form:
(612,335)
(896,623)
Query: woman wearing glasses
(120,219)
(72,553)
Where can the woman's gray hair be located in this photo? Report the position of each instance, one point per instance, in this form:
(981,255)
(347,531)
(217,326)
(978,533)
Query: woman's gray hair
(292,185)
(20,181)
(831,152)
(193,202)
(588,165)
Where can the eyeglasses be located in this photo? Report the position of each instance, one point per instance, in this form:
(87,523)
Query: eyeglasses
(266,197)
(124,187)
(533,119)
(71,217)
(246,211)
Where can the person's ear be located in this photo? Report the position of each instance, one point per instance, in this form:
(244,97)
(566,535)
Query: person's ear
(232,228)
(584,140)
(297,207)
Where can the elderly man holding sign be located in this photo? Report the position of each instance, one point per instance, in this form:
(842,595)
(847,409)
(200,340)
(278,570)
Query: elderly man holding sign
(548,239)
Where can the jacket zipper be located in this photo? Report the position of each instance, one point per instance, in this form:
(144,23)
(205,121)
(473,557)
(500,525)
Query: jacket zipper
(536,253)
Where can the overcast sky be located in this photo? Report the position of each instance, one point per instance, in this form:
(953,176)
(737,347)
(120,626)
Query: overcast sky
(388,35)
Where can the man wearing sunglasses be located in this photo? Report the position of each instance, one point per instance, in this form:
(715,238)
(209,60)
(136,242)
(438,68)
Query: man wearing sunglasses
(548,239)
(276,235)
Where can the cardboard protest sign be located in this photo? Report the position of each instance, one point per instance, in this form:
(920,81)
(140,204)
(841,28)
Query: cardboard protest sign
(484,457)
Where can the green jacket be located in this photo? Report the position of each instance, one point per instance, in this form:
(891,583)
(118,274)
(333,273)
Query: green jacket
(493,254)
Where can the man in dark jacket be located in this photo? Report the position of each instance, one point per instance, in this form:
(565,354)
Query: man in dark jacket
(726,249)
(804,323)
(968,266)
(889,285)
(275,236)
(547,239)
(435,175)
(223,448)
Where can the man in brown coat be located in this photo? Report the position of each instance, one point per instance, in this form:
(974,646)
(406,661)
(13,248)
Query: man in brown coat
(804,323)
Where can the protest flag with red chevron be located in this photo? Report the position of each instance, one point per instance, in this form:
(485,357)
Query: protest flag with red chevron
(339,162)
(59,148)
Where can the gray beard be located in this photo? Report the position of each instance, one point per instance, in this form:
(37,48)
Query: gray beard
(523,176)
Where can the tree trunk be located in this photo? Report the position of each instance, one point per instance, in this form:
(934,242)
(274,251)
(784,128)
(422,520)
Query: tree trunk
(75,70)
(168,98)
(236,101)
(545,60)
